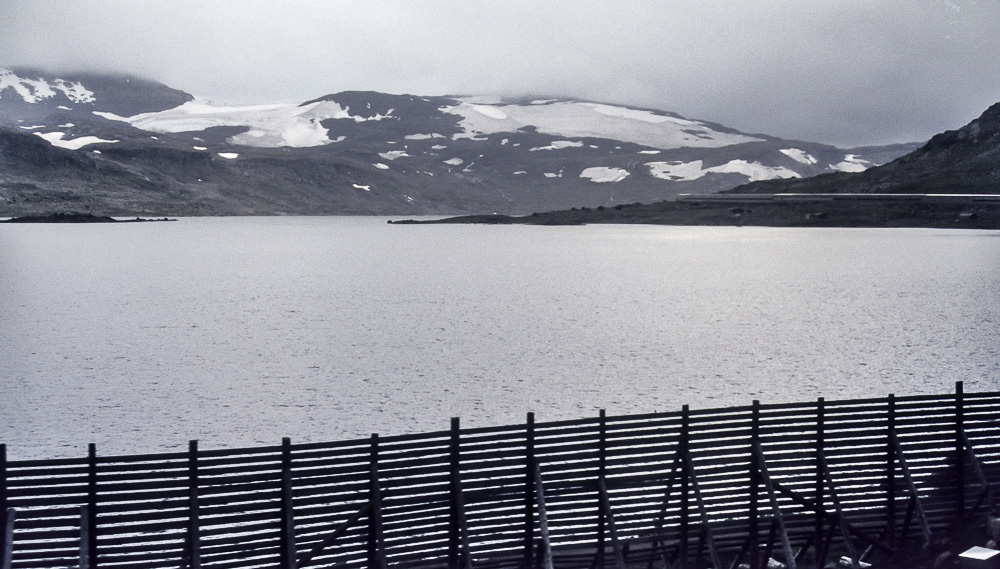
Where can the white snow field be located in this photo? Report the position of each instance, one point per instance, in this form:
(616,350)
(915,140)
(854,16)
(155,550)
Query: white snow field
(34,90)
(604,174)
(271,126)
(687,171)
(558,145)
(851,163)
(594,120)
(393,154)
(56,139)
(800,156)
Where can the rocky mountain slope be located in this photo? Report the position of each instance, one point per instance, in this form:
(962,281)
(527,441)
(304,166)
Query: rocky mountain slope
(963,161)
(119,145)
(953,181)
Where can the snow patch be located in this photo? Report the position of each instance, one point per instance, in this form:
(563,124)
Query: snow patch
(594,120)
(754,170)
(423,136)
(75,91)
(56,139)
(381,166)
(229,155)
(35,90)
(32,127)
(438,147)
(649,152)
(676,171)
(270,126)
(491,112)
(519,172)
(199,147)
(360,187)
(687,171)
(851,163)
(393,154)
(604,174)
(800,156)
(454,161)
(64,108)
(558,145)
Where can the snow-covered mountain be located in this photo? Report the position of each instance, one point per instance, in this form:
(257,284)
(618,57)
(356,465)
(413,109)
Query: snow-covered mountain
(123,145)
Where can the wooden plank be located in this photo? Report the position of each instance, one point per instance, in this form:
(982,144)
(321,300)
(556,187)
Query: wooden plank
(543,520)
(15,493)
(612,526)
(305,559)
(14,465)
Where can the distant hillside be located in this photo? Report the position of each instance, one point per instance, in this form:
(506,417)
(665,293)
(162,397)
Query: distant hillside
(118,145)
(963,161)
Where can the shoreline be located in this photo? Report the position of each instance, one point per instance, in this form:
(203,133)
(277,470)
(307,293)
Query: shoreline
(958,212)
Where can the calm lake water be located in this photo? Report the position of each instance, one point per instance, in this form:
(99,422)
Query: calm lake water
(238,331)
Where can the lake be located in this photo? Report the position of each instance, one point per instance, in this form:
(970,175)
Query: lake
(239,331)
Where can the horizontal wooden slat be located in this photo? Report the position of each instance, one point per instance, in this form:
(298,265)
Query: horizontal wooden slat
(143,500)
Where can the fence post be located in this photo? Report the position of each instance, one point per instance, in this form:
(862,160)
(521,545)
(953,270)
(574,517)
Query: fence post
(7,537)
(454,531)
(85,533)
(92,503)
(820,522)
(754,487)
(890,474)
(685,484)
(288,550)
(376,552)
(529,490)
(959,451)
(194,524)
(602,467)
(3,493)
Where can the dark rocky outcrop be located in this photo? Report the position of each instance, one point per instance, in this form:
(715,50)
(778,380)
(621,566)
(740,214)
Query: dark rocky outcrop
(963,161)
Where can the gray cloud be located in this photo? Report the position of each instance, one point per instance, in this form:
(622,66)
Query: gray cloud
(840,71)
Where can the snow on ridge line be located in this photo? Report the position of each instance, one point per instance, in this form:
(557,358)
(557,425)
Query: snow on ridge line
(34,90)
(688,171)
(604,174)
(589,120)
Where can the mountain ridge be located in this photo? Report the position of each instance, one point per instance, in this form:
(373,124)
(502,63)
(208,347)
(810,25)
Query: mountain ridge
(141,144)
(961,161)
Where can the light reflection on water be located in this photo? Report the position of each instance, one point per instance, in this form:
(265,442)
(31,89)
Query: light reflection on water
(238,331)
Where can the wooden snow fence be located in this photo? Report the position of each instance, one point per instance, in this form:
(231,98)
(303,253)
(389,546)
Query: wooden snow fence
(798,482)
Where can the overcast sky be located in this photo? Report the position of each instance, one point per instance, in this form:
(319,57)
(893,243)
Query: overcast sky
(845,72)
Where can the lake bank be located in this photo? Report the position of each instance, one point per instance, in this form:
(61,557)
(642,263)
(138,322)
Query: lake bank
(765,211)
